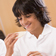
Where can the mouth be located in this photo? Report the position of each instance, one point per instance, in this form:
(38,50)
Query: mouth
(27,26)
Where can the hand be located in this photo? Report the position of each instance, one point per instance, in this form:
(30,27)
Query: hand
(35,53)
(9,42)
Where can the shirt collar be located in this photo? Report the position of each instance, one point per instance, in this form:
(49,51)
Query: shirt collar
(28,34)
(46,30)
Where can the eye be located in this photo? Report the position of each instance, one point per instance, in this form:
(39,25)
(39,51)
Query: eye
(19,18)
(27,16)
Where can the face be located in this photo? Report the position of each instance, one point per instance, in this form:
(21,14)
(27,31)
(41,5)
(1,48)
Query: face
(29,22)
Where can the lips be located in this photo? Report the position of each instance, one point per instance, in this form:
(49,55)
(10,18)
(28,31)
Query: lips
(27,26)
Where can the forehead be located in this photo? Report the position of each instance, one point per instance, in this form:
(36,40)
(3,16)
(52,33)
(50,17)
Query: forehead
(27,14)
(24,12)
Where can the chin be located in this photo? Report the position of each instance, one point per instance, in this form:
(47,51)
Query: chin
(30,30)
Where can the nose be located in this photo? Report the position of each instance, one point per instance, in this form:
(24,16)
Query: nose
(24,21)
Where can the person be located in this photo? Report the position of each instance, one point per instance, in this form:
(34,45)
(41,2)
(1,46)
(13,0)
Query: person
(2,48)
(39,39)
(2,36)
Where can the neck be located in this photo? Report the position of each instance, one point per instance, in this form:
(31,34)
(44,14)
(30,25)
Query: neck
(37,32)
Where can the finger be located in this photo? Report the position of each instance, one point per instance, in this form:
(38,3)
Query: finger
(32,53)
(12,44)
(11,38)
(8,36)
(36,54)
(6,39)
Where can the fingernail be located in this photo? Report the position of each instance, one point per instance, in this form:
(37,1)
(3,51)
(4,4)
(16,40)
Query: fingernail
(16,33)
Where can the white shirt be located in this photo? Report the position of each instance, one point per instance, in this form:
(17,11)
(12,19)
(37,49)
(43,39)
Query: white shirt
(2,48)
(46,43)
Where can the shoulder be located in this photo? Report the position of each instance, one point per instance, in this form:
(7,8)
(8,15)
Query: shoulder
(2,44)
(2,47)
(1,41)
(49,27)
(50,31)
(53,32)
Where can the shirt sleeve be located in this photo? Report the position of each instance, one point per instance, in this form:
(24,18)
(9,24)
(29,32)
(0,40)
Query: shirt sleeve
(2,48)
(16,50)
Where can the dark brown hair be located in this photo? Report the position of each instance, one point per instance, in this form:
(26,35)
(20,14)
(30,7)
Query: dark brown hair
(31,6)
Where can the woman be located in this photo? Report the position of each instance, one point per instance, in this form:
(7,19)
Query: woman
(39,39)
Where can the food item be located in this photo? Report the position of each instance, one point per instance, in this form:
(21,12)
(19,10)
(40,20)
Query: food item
(20,34)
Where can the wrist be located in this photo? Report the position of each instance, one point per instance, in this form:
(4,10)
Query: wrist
(8,54)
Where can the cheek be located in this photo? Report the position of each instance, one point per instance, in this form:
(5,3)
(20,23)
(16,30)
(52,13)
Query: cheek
(36,23)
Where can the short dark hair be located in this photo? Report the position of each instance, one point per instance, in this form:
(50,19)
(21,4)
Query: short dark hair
(31,6)
(2,36)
